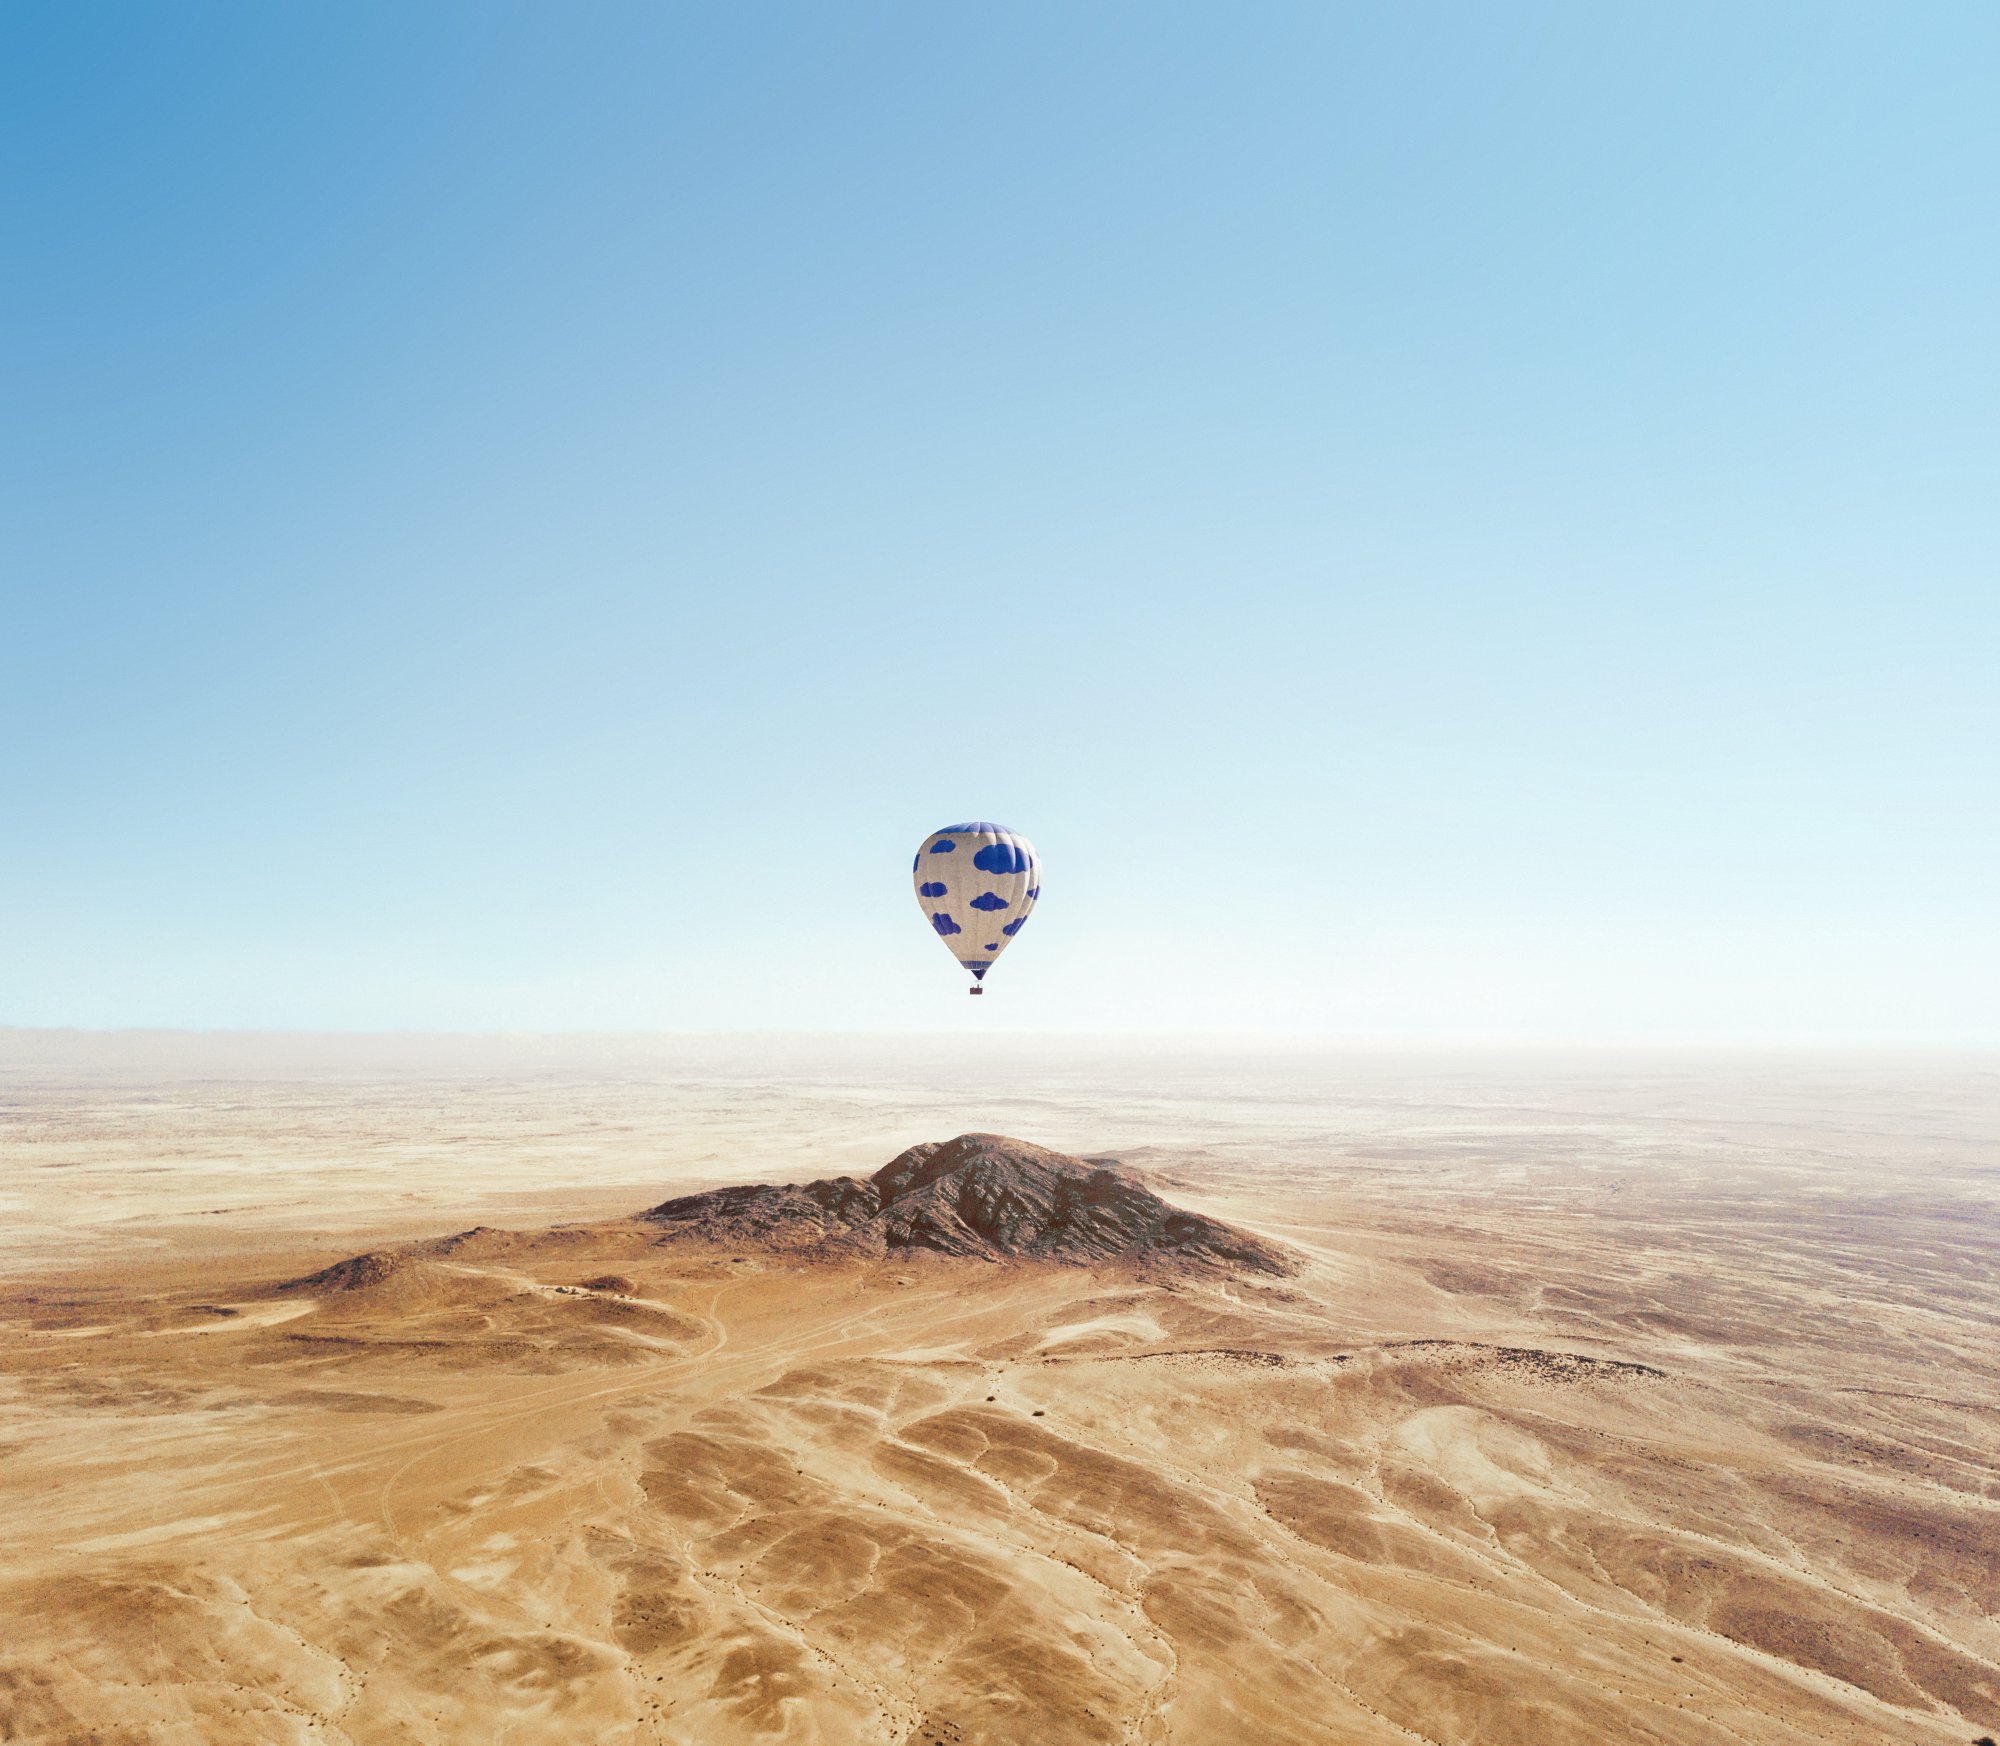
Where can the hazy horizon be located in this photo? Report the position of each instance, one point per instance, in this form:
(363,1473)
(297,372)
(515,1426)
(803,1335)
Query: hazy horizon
(1240,1041)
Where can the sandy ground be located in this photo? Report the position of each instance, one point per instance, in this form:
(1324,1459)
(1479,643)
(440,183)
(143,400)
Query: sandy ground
(1616,1400)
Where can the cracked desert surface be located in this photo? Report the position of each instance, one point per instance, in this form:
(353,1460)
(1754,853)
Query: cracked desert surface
(343,1398)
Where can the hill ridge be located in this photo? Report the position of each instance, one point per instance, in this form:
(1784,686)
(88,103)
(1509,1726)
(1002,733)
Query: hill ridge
(978,1195)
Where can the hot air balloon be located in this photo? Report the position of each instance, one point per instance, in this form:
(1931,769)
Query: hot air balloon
(977,884)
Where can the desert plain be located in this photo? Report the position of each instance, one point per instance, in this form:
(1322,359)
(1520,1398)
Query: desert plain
(346,1397)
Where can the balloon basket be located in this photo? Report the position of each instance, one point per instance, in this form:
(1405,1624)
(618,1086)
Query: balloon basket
(975,989)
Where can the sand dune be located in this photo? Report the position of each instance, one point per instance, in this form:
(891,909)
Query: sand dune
(1617,1452)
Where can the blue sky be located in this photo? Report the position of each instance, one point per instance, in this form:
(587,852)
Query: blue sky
(1441,520)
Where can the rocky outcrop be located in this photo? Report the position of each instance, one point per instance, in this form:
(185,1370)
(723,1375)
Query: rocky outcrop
(980,1195)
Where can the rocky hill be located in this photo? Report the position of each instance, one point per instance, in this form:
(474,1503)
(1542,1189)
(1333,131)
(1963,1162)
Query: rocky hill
(979,1195)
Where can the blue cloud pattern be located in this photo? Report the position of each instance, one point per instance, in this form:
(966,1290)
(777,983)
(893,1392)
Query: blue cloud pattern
(944,846)
(931,888)
(1015,926)
(945,925)
(990,900)
(1002,858)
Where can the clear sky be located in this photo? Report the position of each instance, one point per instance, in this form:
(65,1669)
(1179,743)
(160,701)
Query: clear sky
(1439,519)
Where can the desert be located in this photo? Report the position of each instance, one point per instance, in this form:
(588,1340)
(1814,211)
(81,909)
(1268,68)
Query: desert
(1015,875)
(546,1390)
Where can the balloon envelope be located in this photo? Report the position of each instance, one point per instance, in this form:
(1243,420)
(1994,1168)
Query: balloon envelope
(977,884)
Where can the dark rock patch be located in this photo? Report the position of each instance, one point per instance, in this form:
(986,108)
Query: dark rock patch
(981,1196)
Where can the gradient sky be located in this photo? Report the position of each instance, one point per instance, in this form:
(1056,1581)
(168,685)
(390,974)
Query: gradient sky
(1441,520)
